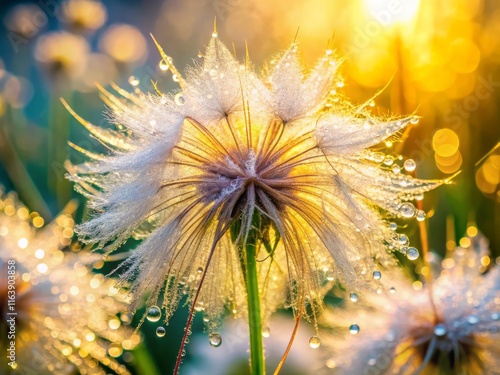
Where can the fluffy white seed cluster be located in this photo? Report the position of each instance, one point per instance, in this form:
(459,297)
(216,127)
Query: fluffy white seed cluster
(232,154)
(452,323)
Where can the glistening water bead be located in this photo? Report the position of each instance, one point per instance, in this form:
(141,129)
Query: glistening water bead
(409,165)
(440,330)
(266,332)
(354,329)
(407,210)
(314,342)
(420,215)
(377,275)
(154,314)
(215,340)
(353,297)
(161,331)
(412,253)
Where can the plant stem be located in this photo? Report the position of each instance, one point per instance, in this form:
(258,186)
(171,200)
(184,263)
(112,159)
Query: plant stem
(257,362)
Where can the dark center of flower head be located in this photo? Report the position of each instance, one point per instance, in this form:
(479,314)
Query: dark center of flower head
(247,169)
(445,350)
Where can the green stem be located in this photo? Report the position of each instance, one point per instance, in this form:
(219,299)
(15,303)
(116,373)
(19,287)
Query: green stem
(257,362)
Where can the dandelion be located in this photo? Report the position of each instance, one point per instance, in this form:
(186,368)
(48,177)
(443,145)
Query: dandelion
(67,319)
(250,190)
(84,16)
(451,324)
(62,56)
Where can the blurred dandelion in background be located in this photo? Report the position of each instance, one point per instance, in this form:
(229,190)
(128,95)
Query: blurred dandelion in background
(62,57)
(67,318)
(83,16)
(452,323)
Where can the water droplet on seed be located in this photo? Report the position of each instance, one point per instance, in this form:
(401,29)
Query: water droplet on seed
(154,314)
(403,239)
(396,169)
(392,290)
(179,99)
(412,253)
(410,165)
(377,275)
(329,276)
(161,331)
(353,329)
(215,340)
(440,330)
(266,332)
(420,215)
(175,77)
(353,297)
(200,270)
(393,226)
(133,81)
(164,65)
(473,319)
(407,210)
(314,342)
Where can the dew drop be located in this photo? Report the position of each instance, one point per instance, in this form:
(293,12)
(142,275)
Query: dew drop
(133,81)
(407,210)
(353,297)
(378,157)
(420,215)
(388,161)
(403,239)
(314,342)
(214,34)
(393,226)
(410,165)
(392,290)
(353,329)
(372,362)
(179,99)
(266,332)
(200,270)
(164,65)
(396,169)
(161,331)
(215,340)
(414,120)
(175,77)
(330,363)
(377,275)
(412,253)
(473,319)
(440,330)
(495,316)
(154,314)
(329,276)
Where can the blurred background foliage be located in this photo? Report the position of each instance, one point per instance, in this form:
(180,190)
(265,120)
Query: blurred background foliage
(439,59)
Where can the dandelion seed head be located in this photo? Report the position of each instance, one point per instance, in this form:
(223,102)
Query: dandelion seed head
(407,331)
(64,311)
(242,154)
